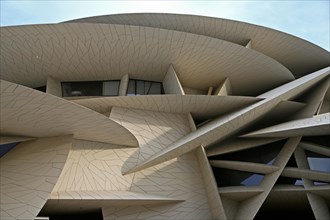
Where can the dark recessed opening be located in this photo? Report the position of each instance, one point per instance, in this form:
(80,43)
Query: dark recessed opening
(269,152)
(285,205)
(76,215)
(320,140)
(41,88)
(226,177)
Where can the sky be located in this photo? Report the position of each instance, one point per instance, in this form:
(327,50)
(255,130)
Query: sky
(307,19)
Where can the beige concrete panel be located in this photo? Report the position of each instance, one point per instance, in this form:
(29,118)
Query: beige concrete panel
(313,99)
(214,200)
(237,144)
(284,110)
(95,166)
(209,91)
(300,84)
(191,122)
(123,85)
(153,130)
(53,86)
(315,148)
(317,203)
(249,208)
(315,126)
(199,105)
(244,166)
(171,82)
(224,89)
(302,163)
(325,105)
(306,174)
(68,202)
(319,206)
(192,91)
(27,112)
(14,139)
(313,189)
(179,178)
(79,52)
(240,193)
(249,44)
(230,206)
(227,125)
(28,175)
(300,56)
(113,197)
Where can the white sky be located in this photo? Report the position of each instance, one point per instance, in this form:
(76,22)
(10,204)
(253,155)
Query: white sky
(308,19)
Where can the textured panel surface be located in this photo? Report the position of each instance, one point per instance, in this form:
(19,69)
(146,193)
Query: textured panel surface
(295,53)
(28,175)
(27,112)
(95,166)
(105,51)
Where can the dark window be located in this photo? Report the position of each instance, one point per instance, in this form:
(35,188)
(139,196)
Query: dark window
(227,177)
(5,148)
(41,88)
(90,88)
(140,87)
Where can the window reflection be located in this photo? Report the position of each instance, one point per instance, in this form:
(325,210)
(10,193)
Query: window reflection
(91,88)
(140,87)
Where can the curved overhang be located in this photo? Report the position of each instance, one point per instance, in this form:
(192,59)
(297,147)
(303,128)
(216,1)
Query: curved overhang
(27,112)
(299,56)
(80,52)
(201,106)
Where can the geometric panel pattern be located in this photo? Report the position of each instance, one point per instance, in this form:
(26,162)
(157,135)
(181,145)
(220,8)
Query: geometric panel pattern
(106,51)
(298,56)
(28,175)
(248,141)
(27,112)
(153,130)
(95,166)
(176,178)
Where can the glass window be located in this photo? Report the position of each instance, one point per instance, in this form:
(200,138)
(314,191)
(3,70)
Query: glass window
(140,87)
(156,88)
(93,88)
(66,89)
(131,87)
(111,88)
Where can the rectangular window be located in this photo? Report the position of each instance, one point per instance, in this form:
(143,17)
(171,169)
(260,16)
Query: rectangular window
(131,88)
(111,88)
(140,87)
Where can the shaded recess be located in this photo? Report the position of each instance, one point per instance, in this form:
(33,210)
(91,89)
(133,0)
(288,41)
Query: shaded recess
(95,214)
(285,205)
(5,148)
(268,152)
(320,140)
(226,177)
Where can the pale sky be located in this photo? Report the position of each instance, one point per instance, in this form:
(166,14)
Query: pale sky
(303,18)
